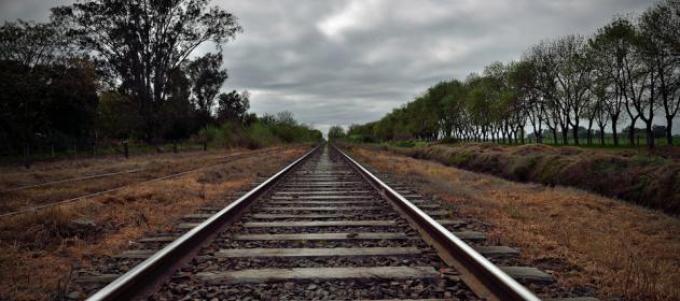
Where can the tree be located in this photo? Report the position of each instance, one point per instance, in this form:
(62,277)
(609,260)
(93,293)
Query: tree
(28,54)
(233,106)
(660,29)
(522,80)
(573,78)
(32,44)
(543,59)
(206,78)
(336,132)
(182,116)
(611,49)
(651,60)
(140,41)
(286,118)
(116,116)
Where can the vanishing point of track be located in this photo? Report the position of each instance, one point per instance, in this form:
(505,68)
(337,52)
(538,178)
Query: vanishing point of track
(326,228)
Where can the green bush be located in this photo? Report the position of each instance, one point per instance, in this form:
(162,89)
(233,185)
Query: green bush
(257,134)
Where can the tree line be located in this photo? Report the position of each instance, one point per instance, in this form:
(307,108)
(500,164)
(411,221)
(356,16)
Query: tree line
(113,70)
(567,89)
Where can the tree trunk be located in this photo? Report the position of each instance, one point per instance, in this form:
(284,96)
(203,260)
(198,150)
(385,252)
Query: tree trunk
(565,136)
(631,131)
(615,134)
(602,135)
(27,155)
(575,133)
(669,130)
(554,132)
(650,134)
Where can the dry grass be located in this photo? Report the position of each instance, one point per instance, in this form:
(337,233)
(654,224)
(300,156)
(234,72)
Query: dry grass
(38,251)
(622,250)
(645,179)
(150,167)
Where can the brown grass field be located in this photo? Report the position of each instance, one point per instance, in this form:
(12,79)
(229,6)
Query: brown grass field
(144,168)
(623,251)
(39,250)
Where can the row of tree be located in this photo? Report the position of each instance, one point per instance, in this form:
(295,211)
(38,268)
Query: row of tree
(628,71)
(104,70)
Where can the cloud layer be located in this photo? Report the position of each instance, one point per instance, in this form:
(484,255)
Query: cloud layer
(344,62)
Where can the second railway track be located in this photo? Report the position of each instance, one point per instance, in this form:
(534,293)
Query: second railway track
(324,228)
(143,179)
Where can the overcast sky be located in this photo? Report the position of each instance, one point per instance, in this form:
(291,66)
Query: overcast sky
(344,62)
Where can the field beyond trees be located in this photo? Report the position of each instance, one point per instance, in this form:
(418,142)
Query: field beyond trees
(648,180)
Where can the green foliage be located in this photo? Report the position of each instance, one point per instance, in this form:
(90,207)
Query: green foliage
(233,106)
(336,133)
(259,133)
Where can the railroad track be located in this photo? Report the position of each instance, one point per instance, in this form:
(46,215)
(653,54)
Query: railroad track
(323,228)
(216,162)
(219,160)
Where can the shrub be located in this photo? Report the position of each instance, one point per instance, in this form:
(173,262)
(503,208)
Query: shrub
(257,134)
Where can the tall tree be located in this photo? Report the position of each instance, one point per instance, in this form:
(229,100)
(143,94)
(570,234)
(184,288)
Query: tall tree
(660,29)
(543,59)
(573,77)
(336,132)
(206,78)
(140,41)
(27,51)
(611,48)
(233,106)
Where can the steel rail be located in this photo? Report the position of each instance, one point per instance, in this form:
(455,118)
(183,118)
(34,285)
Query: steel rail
(144,277)
(482,276)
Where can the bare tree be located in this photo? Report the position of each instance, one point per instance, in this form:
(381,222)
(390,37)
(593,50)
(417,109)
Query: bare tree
(573,78)
(660,29)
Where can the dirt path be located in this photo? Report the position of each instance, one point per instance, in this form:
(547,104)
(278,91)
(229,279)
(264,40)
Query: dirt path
(587,241)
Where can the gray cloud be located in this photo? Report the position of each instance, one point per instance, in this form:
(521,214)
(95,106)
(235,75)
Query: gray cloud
(344,62)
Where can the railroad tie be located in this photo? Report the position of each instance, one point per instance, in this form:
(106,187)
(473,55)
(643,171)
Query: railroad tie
(298,274)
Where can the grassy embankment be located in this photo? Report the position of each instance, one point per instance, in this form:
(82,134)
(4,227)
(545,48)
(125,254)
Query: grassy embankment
(650,180)
(589,242)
